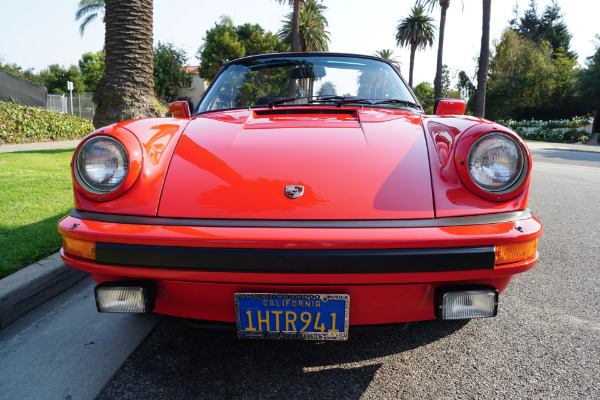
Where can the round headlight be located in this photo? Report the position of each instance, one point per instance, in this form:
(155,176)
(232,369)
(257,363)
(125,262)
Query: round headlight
(101,164)
(495,162)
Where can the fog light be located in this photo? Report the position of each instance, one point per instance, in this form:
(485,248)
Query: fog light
(123,297)
(453,303)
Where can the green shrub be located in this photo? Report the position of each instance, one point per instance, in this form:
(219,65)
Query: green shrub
(21,124)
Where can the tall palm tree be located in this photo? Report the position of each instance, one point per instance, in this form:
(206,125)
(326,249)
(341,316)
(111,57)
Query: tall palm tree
(483,60)
(312,35)
(388,54)
(415,31)
(127,88)
(296,4)
(444,4)
(90,9)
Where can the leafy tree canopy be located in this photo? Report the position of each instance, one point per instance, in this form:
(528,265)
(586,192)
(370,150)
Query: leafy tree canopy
(169,72)
(528,81)
(16,70)
(327,89)
(92,67)
(425,93)
(547,26)
(226,42)
(55,78)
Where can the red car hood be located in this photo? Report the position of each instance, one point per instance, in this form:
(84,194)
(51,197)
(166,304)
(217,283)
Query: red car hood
(353,164)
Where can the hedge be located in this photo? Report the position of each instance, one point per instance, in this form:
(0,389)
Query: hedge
(21,124)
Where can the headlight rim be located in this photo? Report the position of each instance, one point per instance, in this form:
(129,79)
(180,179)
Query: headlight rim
(81,179)
(515,182)
(133,151)
(461,158)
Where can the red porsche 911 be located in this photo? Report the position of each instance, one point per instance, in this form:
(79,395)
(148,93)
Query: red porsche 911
(306,194)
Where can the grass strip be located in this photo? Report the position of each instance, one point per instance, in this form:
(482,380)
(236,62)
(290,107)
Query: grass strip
(35,193)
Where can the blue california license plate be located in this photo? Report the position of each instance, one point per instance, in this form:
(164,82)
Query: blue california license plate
(292,316)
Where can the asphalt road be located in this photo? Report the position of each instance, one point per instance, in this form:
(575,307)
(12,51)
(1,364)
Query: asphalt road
(544,343)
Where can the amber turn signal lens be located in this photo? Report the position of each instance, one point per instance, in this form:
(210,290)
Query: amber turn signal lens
(79,248)
(508,253)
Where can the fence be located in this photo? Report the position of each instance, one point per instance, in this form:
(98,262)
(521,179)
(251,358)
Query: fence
(82,104)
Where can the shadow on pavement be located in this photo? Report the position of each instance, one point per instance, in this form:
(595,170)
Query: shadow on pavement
(178,361)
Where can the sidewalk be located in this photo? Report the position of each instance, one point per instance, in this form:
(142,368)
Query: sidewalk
(59,144)
(563,146)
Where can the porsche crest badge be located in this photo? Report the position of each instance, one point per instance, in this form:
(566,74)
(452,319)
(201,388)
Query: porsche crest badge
(294,191)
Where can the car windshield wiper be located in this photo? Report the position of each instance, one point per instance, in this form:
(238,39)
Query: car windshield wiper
(341,100)
(398,101)
(286,100)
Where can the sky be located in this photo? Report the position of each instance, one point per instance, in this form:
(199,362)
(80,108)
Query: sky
(36,33)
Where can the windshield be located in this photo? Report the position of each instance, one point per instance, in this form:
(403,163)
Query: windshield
(283,80)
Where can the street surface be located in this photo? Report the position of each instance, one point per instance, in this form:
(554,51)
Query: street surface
(543,344)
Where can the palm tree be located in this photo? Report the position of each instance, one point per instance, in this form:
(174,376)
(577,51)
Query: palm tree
(388,54)
(312,35)
(90,9)
(295,21)
(444,4)
(417,31)
(127,88)
(483,60)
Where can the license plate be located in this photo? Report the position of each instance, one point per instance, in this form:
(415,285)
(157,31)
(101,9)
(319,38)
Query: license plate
(292,316)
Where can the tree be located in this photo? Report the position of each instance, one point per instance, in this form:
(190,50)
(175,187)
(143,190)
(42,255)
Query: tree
(426,95)
(466,91)
(226,42)
(55,78)
(548,27)
(256,41)
(444,4)
(295,32)
(92,67)
(90,9)
(126,90)
(589,83)
(312,35)
(527,81)
(484,59)
(327,89)
(27,74)
(169,71)
(221,45)
(415,31)
(388,54)
(447,92)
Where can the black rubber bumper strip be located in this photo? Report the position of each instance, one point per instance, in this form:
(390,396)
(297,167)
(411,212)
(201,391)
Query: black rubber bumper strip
(321,261)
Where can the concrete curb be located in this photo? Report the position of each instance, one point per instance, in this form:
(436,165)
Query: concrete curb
(32,286)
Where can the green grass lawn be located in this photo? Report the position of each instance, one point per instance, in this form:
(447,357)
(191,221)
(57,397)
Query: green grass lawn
(35,193)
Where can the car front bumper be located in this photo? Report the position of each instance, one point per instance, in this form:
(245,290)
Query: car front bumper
(390,269)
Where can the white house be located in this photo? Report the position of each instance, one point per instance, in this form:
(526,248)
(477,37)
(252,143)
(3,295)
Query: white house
(194,87)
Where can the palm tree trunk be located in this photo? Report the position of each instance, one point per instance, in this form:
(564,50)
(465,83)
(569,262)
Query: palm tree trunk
(483,60)
(296,26)
(413,50)
(438,73)
(126,91)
